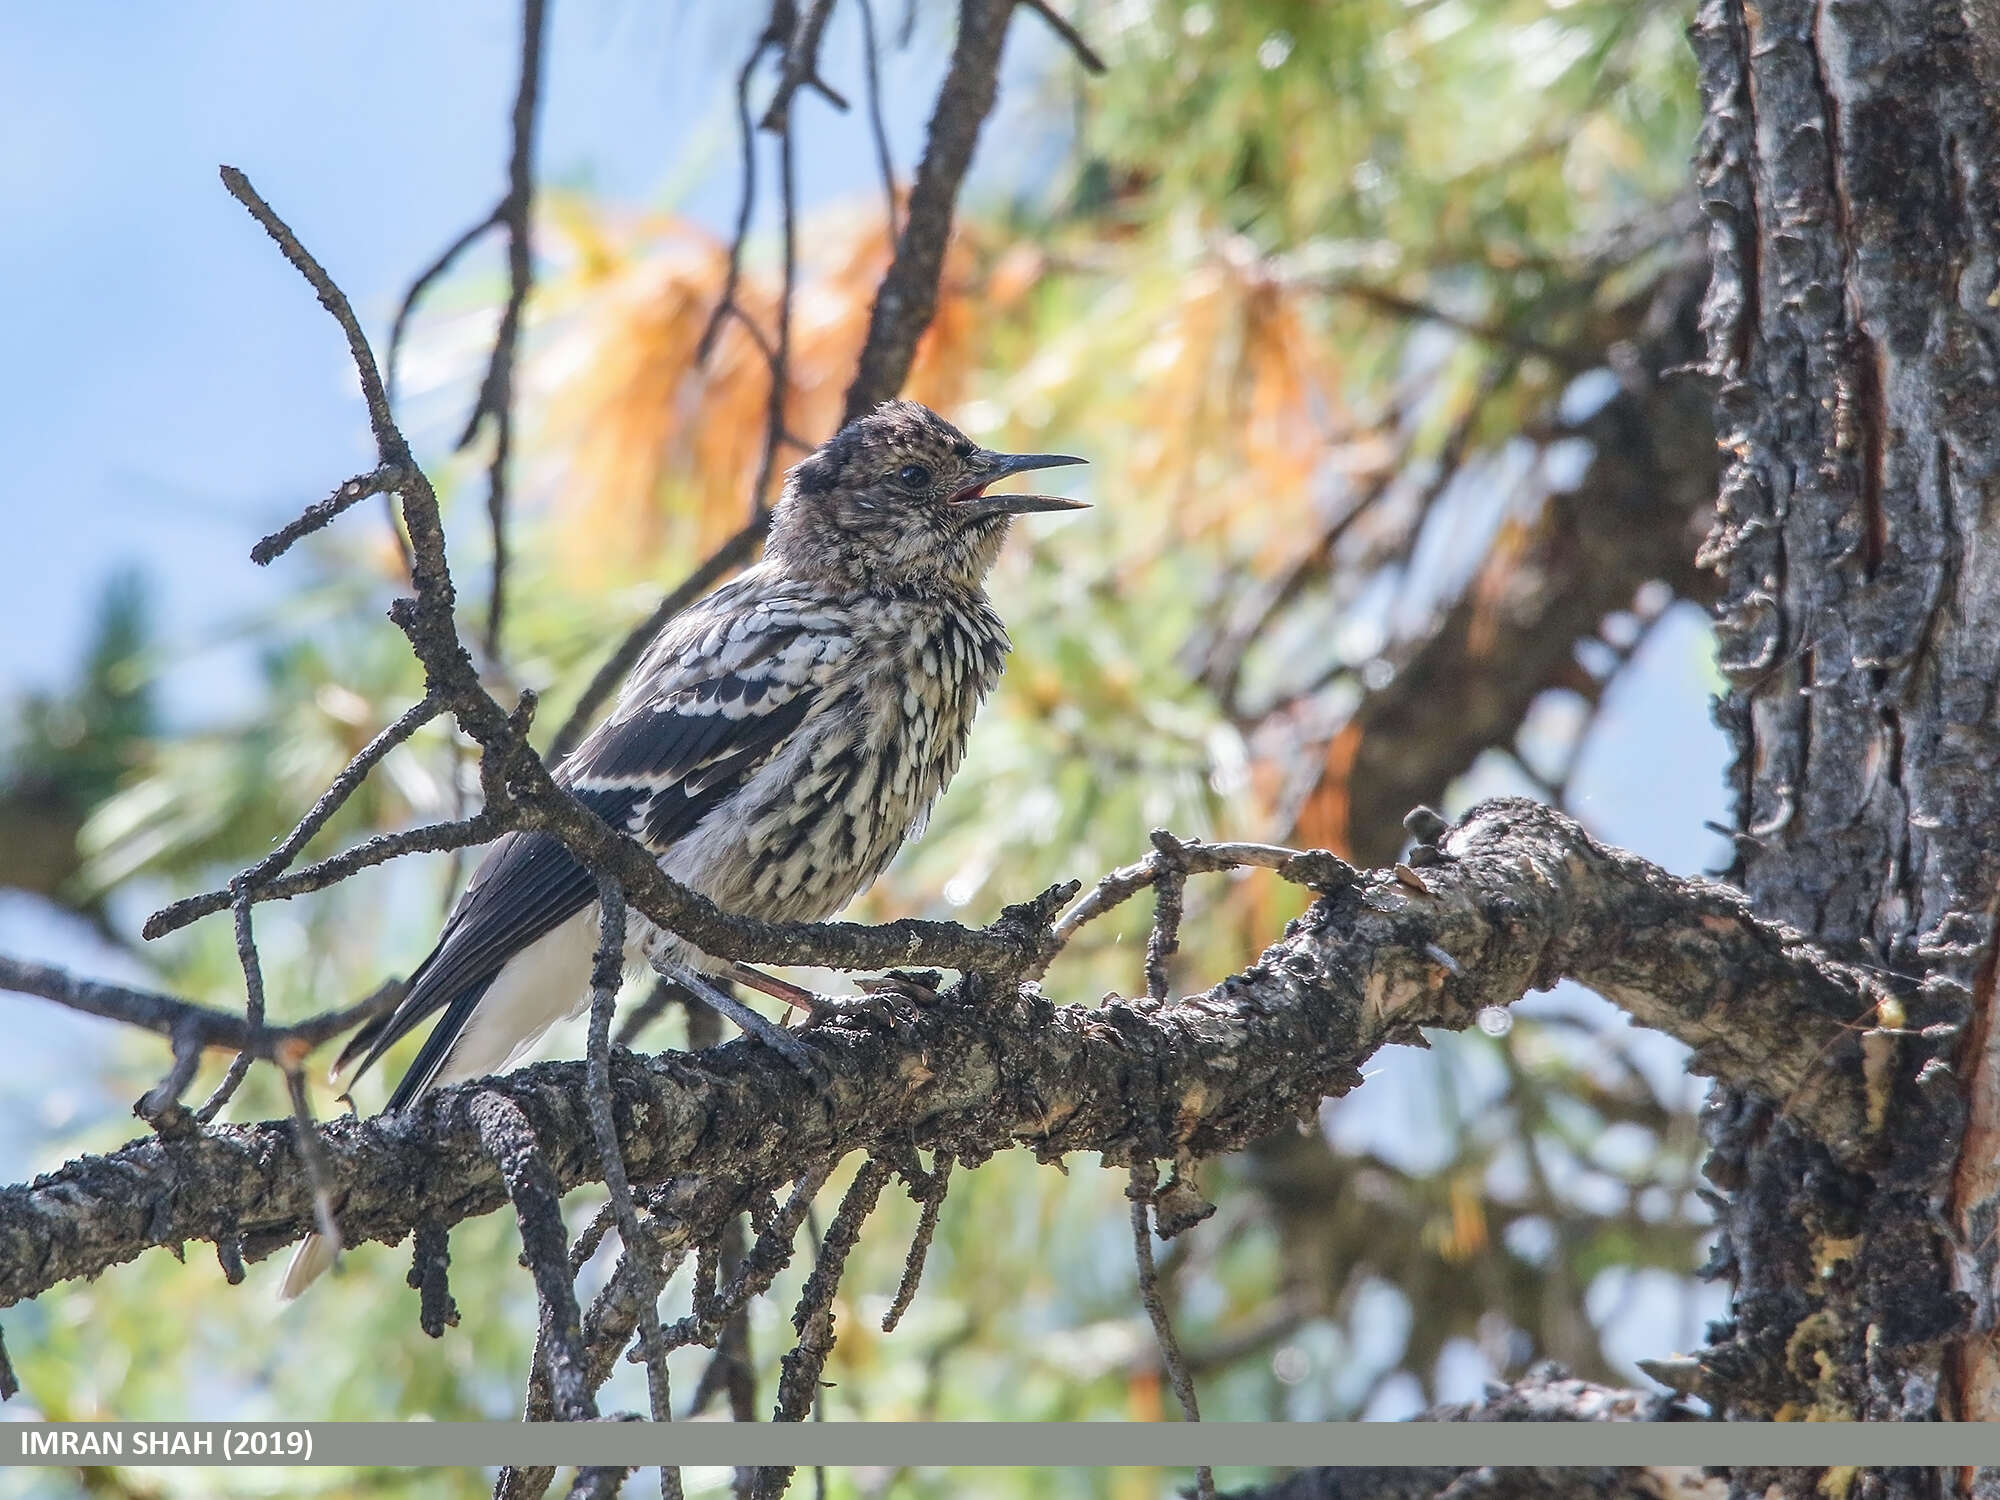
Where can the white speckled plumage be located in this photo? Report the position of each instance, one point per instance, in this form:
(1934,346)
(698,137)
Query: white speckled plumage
(774,748)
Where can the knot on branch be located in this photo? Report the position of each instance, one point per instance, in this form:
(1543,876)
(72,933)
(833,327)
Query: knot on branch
(1029,928)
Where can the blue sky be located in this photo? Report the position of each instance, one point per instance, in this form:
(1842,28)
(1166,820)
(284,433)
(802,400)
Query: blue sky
(173,390)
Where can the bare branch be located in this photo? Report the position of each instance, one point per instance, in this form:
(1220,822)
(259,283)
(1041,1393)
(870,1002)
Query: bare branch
(392,361)
(907,296)
(200,1025)
(1384,299)
(932,1200)
(779,356)
(431,838)
(773,35)
(606,973)
(1145,1179)
(509,1141)
(800,69)
(798,1381)
(769,1256)
(429,1278)
(1519,898)
(376,481)
(388,440)
(1314,868)
(871,58)
(495,404)
(1072,38)
(341,788)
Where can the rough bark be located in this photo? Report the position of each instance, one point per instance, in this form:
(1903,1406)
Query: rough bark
(1517,898)
(1846,169)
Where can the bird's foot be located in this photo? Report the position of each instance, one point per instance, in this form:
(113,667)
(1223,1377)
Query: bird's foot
(918,986)
(892,1002)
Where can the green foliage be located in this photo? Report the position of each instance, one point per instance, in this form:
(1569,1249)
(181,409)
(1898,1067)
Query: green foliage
(1449,129)
(76,745)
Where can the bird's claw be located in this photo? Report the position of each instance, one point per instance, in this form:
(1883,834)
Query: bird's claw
(918,986)
(893,1002)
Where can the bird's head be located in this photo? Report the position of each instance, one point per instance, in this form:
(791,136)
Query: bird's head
(898,497)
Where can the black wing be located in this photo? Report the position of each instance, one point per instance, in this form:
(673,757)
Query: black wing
(681,742)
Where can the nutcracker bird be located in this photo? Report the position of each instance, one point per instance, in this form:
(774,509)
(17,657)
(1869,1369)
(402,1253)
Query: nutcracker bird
(774,748)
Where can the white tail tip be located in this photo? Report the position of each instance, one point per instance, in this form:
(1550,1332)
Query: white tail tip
(309,1263)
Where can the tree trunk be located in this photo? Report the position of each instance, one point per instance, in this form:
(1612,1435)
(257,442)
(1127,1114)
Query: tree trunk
(1852,326)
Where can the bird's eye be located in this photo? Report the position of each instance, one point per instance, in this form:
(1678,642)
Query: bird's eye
(915,477)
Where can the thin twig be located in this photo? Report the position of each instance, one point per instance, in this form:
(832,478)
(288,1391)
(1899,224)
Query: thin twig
(1500,336)
(730,1370)
(907,297)
(382,479)
(388,439)
(872,62)
(1072,38)
(160,1106)
(780,361)
(1145,1178)
(1314,868)
(392,362)
(1222,669)
(920,1242)
(341,788)
(601,1223)
(495,404)
(253,1007)
(799,1377)
(773,35)
(768,1256)
(10,1385)
(430,1279)
(800,69)
(509,1140)
(184,1023)
(431,838)
(1169,899)
(607,971)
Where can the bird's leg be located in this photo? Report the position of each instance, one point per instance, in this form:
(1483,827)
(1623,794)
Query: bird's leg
(779,1040)
(793,995)
(890,1001)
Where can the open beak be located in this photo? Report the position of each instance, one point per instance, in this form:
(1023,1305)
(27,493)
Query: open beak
(973,501)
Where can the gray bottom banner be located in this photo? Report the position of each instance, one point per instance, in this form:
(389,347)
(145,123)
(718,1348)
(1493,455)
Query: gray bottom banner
(1001,1444)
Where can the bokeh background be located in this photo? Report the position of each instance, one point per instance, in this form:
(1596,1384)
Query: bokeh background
(1361,312)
